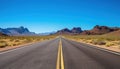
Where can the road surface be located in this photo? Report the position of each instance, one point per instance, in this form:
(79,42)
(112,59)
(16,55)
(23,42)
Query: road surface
(58,53)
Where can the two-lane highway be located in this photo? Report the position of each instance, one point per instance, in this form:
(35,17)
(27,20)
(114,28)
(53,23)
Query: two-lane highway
(59,53)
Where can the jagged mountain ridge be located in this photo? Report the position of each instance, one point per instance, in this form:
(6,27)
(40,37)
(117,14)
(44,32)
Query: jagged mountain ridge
(97,30)
(16,31)
(75,30)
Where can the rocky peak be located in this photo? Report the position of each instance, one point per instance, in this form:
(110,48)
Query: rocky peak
(98,30)
(76,30)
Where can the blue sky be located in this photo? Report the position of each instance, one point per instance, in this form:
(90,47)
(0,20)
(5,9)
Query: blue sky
(51,15)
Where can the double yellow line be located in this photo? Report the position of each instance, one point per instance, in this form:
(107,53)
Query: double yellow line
(60,60)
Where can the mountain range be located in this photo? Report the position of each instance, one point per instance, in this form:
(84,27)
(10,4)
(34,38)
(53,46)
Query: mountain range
(21,31)
(97,30)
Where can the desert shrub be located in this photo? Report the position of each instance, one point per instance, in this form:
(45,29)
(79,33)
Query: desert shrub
(3,44)
(94,41)
(88,41)
(2,41)
(98,42)
(108,44)
(12,39)
(14,44)
(109,39)
(101,43)
(119,44)
(29,39)
(17,40)
(26,41)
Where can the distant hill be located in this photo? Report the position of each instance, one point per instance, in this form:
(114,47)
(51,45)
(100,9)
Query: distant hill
(17,31)
(46,33)
(114,33)
(97,30)
(75,30)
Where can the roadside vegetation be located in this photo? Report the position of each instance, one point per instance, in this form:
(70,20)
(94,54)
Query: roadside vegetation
(102,40)
(6,41)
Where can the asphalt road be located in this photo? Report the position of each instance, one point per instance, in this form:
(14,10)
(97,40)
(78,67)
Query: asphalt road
(83,56)
(43,55)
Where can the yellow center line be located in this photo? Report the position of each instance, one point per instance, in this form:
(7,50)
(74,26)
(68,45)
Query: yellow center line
(60,60)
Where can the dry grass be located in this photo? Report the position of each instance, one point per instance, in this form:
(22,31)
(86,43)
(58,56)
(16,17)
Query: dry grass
(18,40)
(102,40)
